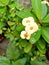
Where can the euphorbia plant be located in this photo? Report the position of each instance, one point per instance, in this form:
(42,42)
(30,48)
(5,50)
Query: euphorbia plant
(28,31)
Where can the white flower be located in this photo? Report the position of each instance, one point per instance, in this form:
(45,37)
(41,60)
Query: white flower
(27,21)
(44,2)
(32,28)
(25,35)
(48,4)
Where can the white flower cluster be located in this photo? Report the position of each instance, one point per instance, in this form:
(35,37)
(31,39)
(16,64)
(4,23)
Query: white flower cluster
(30,28)
(45,2)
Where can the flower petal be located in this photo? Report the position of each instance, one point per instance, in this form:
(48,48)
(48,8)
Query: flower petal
(27,21)
(22,34)
(32,28)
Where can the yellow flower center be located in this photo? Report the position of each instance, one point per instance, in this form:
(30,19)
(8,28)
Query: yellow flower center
(31,28)
(27,21)
(25,35)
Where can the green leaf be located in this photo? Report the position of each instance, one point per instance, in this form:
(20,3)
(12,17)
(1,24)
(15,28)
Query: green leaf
(44,11)
(0,31)
(4,61)
(20,28)
(12,14)
(24,13)
(41,46)
(20,6)
(17,5)
(36,62)
(35,36)
(23,43)
(45,33)
(9,35)
(36,5)
(12,51)
(41,43)
(2,10)
(20,62)
(1,5)
(11,23)
(28,48)
(5,2)
(46,19)
(2,24)
(12,5)
(16,1)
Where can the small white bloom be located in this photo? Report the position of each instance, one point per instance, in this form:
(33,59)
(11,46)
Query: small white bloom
(27,21)
(25,35)
(32,28)
(48,3)
(44,2)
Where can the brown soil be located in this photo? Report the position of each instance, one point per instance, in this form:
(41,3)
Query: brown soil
(3,47)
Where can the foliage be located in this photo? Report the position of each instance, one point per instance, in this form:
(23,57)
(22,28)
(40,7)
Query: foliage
(22,51)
